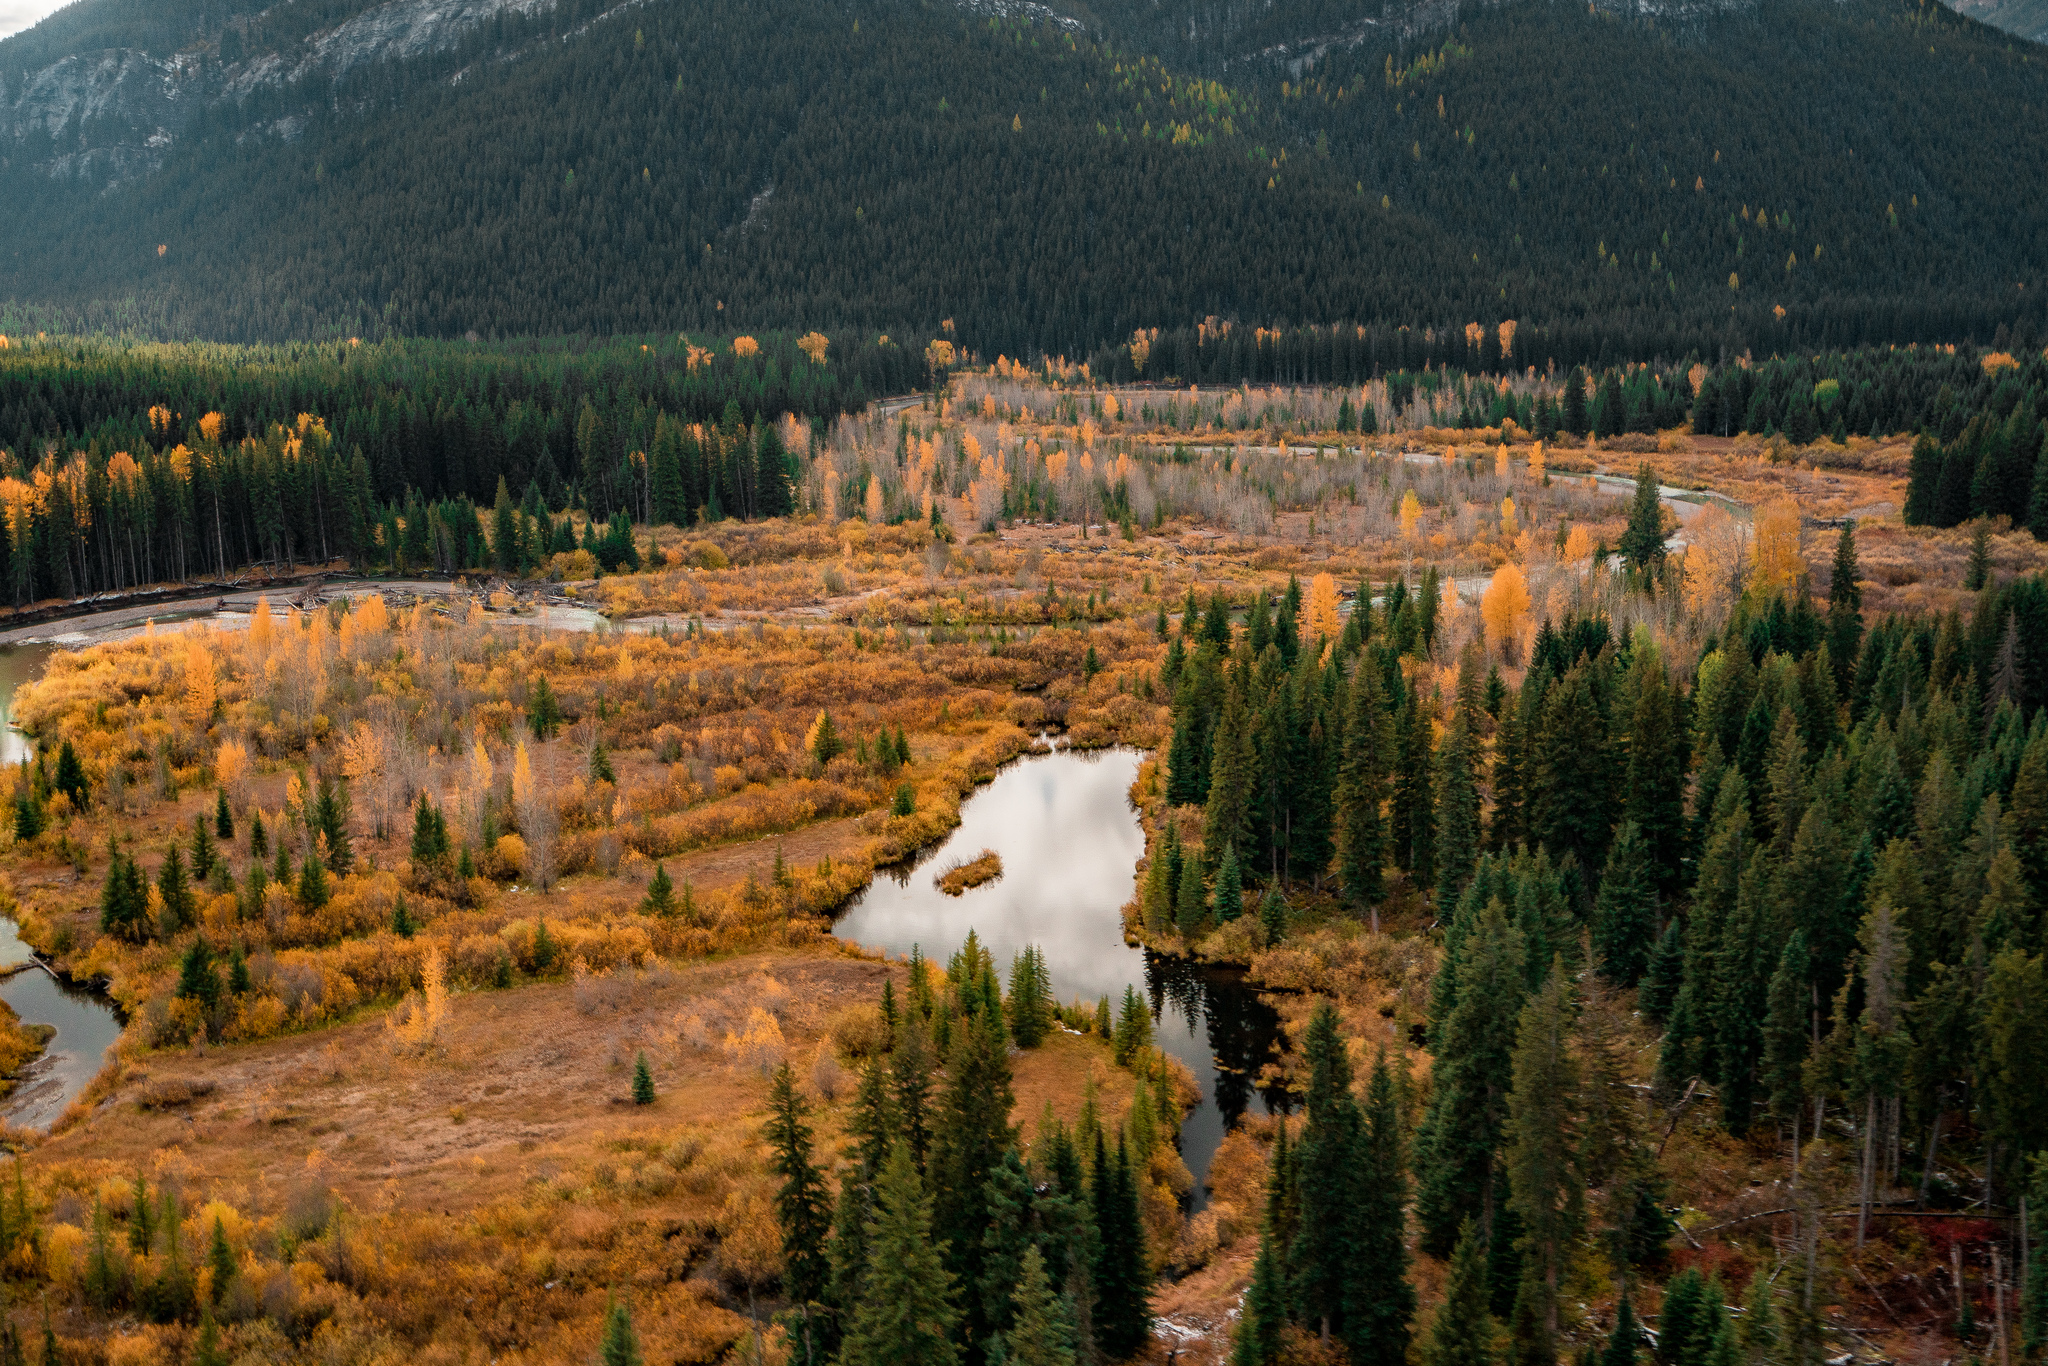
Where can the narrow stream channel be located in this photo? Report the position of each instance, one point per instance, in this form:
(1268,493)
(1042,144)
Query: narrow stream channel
(1070,844)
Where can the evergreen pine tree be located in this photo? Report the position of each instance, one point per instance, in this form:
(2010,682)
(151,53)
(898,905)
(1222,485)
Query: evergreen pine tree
(906,1314)
(181,908)
(1272,917)
(312,884)
(1123,1317)
(1381,1302)
(801,1204)
(330,819)
(1977,573)
(620,1345)
(543,712)
(1621,1343)
(1625,912)
(71,779)
(910,1080)
(1546,1187)
(202,848)
(643,1081)
(1361,792)
(1413,827)
(1265,1309)
(1011,1226)
(402,923)
(1190,904)
(1229,894)
(1845,607)
(1665,973)
(1460,1138)
(972,1133)
(1457,794)
(207,1350)
(1332,1157)
(1030,1009)
(220,1258)
(1041,1333)
(661,894)
(1233,777)
(1464,1330)
(1643,541)
(1785,1033)
(1654,797)
(223,818)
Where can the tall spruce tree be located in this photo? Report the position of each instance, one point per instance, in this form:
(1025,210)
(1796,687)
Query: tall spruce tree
(1457,795)
(1325,1250)
(968,1143)
(1546,1185)
(1458,1145)
(1643,541)
(1233,776)
(1413,825)
(906,1315)
(1122,1279)
(1625,912)
(1464,1332)
(1380,1304)
(801,1205)
(1362,789)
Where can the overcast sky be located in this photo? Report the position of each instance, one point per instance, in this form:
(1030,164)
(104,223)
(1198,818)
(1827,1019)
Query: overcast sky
(16,15)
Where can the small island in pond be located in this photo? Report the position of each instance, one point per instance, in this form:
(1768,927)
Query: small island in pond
(986,866)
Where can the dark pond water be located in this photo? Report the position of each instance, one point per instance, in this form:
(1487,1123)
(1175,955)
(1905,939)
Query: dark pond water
(1070,844)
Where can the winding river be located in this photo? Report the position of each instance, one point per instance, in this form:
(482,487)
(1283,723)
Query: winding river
(1070,844)
(86,1022)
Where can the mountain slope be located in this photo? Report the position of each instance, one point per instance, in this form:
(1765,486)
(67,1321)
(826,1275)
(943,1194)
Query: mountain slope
(514,166)
(2025,18)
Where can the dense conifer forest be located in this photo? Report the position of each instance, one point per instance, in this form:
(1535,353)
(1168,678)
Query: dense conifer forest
(1818,865)
(1051,185)
(133,464)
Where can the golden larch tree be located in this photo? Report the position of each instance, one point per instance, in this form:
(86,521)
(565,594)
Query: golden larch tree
(1411,512)
(1504,606)
(1320,617)
(200,689)
(1778,561)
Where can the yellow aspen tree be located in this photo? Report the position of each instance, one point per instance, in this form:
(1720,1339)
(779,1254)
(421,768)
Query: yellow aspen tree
(1778,561)
(1500,462)
(1320,615)
(260,631)
(1411,512)
(1507,515)
(231,765)
(1536,464)
(200,690)
(1503,607)
(1578,545)
(522,776)
(871,506)
(745,346)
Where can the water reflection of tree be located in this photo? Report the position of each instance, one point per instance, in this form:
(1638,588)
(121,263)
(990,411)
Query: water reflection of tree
(1243,1031)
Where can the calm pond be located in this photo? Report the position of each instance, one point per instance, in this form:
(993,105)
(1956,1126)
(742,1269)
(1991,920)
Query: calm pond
(1070,844)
